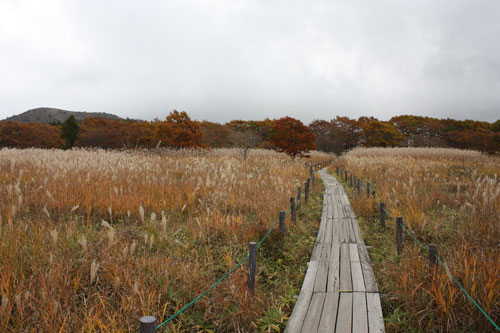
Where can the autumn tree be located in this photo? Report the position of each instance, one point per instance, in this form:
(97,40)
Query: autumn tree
(69,131)
(178,131)
(377,133)
(292,137)
(337,135)
(27,135)
(217,135)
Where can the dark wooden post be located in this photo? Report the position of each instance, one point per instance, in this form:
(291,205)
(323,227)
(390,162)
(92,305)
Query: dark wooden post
(345,176)
(282,228)
(148,325)
(399,234)
(350,180)
(299,200)
(252,266)
(382,215)
(432,258)
(292,209)
(359,186)
(313,179)
(306,194)
(337,169)
(368,190)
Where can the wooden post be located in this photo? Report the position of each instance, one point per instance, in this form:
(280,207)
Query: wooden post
(252,266)
(359,186)
(382,215)
(368,190)
(306,194)
(432,258)
(148,325)
(299,200)
(399,234)
(282,228)
(345,176)
(313,178)
(337,169)
(292,206)
(351,180)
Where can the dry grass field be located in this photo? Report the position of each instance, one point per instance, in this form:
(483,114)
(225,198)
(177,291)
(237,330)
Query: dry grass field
(446,197)
(91,240)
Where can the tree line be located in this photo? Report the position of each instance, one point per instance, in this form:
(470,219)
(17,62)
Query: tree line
(286,134)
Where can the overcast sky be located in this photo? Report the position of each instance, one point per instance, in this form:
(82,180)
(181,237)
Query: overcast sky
(249,59)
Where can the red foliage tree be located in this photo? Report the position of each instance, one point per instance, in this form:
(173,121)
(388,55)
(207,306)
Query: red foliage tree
(292,137)
(27,135)
(179,131)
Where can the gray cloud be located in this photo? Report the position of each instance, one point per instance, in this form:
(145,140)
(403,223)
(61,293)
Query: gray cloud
(241,59)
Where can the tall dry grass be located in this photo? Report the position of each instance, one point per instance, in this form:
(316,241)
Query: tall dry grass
(91,240)
(450,198)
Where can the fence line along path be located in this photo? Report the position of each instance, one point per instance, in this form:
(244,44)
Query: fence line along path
(339,292)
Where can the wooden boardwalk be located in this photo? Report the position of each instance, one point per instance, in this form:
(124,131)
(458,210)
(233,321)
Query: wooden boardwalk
(339,293)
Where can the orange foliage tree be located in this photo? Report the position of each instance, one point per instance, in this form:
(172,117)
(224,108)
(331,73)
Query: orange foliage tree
(26,135)
(292,137)
(377,133)
(179,131)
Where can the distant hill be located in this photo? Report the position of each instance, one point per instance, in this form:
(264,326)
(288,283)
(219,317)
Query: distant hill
(51,115)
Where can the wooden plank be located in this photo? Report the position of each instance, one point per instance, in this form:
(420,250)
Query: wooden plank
(358,283)
(321,276)
(308,284)
(359,313)
(328,231)
(344,313)
(368,275)
(357,231)
(299,312)
(329,315)
(333,284)
(351,237)
(335,231)
(375,317)
(313,316)
(345,268)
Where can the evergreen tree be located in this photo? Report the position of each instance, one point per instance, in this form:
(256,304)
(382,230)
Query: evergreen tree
(69,131)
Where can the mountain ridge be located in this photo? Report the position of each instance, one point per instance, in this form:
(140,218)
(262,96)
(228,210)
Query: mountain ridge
(48,115)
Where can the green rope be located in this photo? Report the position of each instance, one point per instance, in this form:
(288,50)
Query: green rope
(204,293)
(222,278)
(466,293)
(415,238)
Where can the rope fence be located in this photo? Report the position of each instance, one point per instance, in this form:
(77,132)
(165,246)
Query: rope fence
(433,257)
(148,323)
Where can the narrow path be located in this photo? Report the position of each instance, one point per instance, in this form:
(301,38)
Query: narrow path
(339,293)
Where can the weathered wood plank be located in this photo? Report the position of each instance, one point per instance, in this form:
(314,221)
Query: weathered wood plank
(359,313)
(329,315)
(375,317)
(328,231)
(313,316)
(321,276)
(308,284)
(344,313)
(345,268)
(368,275)
(358,283)
(333,283)
(357,231)
(299,312)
